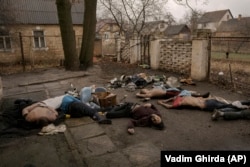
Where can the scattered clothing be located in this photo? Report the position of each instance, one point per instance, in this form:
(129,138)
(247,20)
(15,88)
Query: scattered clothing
(51,129)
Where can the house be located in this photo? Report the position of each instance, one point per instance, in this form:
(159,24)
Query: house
(237,27)
(33,34)
(236,32)
(212,20)
(107,32)
(178,32)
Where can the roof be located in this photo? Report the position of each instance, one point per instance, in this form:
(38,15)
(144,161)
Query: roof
(101,23)
(176,29)
(214,16)
(235,25)
(42,11)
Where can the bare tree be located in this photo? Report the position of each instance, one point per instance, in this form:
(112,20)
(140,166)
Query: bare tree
(191,18)
(87,48)
(188,3)
(68,35)
(134,13)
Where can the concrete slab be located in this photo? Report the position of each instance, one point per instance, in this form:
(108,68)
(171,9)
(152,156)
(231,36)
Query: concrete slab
(14,91)
(143,154)
(96,146)
(86,131)
(33,88)
(112,159)
(73,122)
(38,151)
(35,96)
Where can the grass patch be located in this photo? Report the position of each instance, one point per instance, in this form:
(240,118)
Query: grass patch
(231,56)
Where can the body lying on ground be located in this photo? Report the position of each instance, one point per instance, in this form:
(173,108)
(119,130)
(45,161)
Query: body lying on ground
(241,112)
(145,115)
(54,109)
(161,93)
(206,104)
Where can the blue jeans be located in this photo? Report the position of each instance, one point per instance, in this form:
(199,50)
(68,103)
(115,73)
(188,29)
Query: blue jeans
(86,97)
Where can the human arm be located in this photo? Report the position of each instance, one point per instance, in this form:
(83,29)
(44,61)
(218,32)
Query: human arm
(26,110)
(164,104)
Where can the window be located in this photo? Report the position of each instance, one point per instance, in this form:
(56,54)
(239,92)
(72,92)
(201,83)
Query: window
(106,35)
(39,41)
(5,42)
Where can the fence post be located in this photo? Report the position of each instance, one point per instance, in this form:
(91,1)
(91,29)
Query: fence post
(22,53)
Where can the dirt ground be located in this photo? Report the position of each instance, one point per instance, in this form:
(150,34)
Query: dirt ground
(185,129)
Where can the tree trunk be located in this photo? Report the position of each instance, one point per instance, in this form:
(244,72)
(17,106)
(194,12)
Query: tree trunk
(71,61)
(88,39)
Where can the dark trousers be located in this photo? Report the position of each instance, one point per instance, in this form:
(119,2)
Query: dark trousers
(79,109)
(120,111)
(244,114)
(212,104)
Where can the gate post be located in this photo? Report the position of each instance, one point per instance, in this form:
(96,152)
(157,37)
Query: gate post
(200,64)
(134,50)
(154,54)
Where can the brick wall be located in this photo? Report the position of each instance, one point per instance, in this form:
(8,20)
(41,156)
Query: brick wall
(52,53)
(175,56)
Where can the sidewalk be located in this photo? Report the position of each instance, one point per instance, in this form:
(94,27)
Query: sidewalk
(85,142)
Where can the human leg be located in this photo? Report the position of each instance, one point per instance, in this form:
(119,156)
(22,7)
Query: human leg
(86,94)
(244,114)
(79,109)
(211,104)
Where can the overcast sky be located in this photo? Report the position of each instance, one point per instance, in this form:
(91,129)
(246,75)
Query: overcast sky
(236,7)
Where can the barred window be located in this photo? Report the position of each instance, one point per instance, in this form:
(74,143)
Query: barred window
(5,42)
(39,41)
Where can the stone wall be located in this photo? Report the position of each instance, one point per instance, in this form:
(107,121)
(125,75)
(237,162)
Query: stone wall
(175,56)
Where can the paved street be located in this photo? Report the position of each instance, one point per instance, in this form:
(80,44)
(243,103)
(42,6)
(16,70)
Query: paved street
(87,143)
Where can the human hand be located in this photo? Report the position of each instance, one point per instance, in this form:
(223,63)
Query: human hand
(147,105)
(131,131)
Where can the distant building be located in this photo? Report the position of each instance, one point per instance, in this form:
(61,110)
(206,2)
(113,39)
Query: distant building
(33,33)
(156,28)
(212,20)
(107,31)
(237,27)
(178,32)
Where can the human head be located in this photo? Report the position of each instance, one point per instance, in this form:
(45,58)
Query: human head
(157,121)
(43,121)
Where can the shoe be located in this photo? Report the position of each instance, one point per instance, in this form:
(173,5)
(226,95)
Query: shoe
(206,95)
(216,114)
(105,121)
(146,99)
